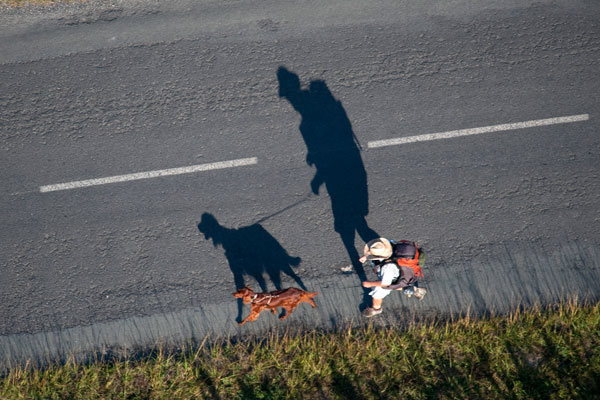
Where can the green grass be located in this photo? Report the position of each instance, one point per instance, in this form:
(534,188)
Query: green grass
(552,353)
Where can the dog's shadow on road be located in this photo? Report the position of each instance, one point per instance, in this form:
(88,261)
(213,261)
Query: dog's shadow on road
(251,251)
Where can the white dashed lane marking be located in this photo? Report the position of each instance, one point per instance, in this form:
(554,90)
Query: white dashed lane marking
(477,131)
(149,174)
(253,160)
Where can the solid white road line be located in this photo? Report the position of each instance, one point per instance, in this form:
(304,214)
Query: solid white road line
(477,131)
(149,174)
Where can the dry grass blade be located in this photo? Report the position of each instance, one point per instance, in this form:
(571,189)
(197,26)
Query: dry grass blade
(537,353)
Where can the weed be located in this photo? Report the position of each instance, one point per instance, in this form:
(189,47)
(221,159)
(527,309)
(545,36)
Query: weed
(528,354)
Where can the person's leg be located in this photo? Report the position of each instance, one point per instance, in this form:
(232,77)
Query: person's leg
(377,294)
(377,303)
(347,235)
(419,292)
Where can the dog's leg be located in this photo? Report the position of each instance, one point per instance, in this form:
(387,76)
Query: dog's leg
(288,311)
(249,318)
(311,302)
(309,297)
(254,313)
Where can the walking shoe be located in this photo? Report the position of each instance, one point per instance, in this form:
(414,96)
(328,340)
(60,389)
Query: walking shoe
(419,293)
(370,312)
(347,269)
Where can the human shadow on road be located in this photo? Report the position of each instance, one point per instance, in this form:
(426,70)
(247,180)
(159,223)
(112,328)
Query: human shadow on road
(335,153)
(250,251)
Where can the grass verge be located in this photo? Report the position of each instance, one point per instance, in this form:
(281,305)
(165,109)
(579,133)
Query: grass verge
(550,353)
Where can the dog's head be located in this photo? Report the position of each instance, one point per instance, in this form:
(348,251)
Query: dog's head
(245,294)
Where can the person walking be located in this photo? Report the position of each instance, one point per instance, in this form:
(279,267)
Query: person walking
(396,266)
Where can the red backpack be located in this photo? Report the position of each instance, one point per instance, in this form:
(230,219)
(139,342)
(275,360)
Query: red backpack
(406,254)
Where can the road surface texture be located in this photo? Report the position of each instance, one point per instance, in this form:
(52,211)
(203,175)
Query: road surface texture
(299,91)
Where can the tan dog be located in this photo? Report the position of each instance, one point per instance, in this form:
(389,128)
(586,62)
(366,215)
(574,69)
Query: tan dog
(288,299)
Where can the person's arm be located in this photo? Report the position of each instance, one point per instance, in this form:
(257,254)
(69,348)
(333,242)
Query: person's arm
(316,182)
(370,284)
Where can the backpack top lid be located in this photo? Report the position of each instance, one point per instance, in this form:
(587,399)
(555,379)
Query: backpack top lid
(405,249)
(406,254)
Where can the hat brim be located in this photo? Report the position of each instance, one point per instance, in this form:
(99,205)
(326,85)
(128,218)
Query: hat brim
(386,254)
(376,258)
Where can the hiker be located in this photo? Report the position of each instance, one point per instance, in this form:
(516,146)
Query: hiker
(397,267)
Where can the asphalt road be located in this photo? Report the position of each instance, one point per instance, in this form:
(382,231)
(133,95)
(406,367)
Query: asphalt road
(114,88)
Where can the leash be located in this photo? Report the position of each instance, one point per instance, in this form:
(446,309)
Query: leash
(306,197)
